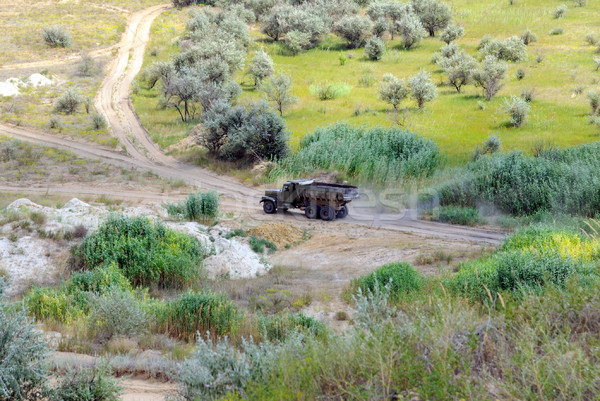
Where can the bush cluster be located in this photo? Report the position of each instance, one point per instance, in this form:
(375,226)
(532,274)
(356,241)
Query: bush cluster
(381,155)
(56,36)
(466,216)
(400,279)
(201,207)
(519,184)
(147,253)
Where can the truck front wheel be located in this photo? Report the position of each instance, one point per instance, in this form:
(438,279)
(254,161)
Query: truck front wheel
(327,213)
(269,207)
(311,211)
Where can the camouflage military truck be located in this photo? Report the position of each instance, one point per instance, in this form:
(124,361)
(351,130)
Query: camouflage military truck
(317,199)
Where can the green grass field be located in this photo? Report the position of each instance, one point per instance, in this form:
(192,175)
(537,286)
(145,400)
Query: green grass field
(455,121)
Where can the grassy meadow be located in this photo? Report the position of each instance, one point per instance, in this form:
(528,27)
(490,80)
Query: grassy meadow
(559,68)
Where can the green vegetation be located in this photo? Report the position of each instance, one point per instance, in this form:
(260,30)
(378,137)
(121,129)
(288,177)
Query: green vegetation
(147,253)
(554,180)
(258,245)
(87,384)
(399,279)
(202,207)
(466,216)
(376,155)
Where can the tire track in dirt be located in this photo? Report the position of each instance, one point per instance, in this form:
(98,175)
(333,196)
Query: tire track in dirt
(114,103)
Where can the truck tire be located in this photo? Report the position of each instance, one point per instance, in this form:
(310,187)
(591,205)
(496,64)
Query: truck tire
(327,213)
(343,212)
(312,211)
(269,207)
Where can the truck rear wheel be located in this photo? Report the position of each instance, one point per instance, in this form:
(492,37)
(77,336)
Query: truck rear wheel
(269,207)
(343,212)
(311,211)
(327,213)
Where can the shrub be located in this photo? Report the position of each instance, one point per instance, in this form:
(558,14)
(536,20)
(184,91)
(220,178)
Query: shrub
(560,11)
(330,90)
(54,123)
(57,36)
(393,90)
(82,384)
(258,244)
(297,41)
(98,121)
(87,67)
(147,253)
(374,49)
(490,75)
(214,371)
(355,29)
(115,312)
(202,207)
(382,155)
(366,80)
(517,108)
(591,39)
(520,74)
(194,313)
(528,37)
(466,216)
(528,95)
(594,98)
(511,49)
(23,355)
(422,88)
(69,102)
(451,33)
(400,279)
(557,31)
(261,66)
(411,29)
(459,68)
(596,63)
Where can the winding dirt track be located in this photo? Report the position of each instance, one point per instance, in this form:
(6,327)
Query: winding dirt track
(114,103)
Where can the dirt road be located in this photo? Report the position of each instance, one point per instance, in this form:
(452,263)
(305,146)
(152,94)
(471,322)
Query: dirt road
(114,103)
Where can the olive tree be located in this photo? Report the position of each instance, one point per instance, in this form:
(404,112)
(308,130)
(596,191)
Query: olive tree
(261,66)
(411,29)
(393,90)
(276,24)
(459,68)
(422,87)
(451,33)
(159,71)
(385,13)
(489,76)
(182,93)
(355,29)
(278,89)
(374,48)
(434,14)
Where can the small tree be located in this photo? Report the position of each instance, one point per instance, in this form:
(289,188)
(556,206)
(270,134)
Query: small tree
(87,67)
(490,75)
(459,68)
(297,41)
(261,66)
(511,49)
(278,89)
(69,102)
(434,14)
(265,133)
(276,24)
(422,87)
(517,108)
(182,92)
(393,90)
(355,29)
(57,36)
(159,71)
(451,33)
(374,49)
(528,37)
(380,26)
(411,29)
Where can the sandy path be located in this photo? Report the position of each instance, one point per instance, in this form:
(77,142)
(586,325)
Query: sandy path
(113,101)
